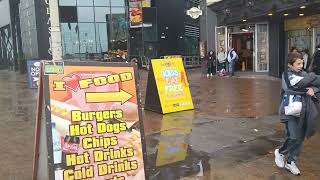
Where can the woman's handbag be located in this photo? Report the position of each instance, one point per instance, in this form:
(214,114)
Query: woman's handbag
(292,105)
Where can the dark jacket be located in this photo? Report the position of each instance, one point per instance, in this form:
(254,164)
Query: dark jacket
(211,60)
(310,113)
(316,61)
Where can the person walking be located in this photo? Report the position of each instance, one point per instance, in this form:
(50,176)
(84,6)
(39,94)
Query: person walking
(232,57)
(211,63)
(297,86)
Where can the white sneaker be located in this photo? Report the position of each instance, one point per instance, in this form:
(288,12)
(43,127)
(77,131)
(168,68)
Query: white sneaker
(279,159)
(292,167)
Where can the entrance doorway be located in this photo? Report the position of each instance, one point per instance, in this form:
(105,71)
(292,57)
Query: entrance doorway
(244,45)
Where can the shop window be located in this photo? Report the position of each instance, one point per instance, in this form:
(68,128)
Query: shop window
(85,14)
(102,2)
(301,39)
(191,45)
(85,2)
(118,3)
(87,38)
(101,13)
(67,2)
(262,48)
(118,28)
(102,37)
(70,41)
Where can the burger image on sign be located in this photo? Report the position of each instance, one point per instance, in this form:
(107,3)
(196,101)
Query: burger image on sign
(194,12)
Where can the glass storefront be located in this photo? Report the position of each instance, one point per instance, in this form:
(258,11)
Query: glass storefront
(92,28)
(251,42)
(301,39)
(262,55)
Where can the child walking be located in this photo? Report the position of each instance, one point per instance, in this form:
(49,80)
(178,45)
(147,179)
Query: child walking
(304,86)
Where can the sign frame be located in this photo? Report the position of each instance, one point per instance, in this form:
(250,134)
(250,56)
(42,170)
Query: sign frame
(44,110)
(154,101)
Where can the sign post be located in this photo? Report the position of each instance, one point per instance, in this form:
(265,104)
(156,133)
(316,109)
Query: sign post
(168,87)
(89,123)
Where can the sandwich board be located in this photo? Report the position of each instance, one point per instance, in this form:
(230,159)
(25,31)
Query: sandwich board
(168,87)
(89,123)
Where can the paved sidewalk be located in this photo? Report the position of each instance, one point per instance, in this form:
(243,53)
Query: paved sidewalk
(231,134)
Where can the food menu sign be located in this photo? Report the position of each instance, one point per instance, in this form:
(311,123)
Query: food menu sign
(94,128)
(172,85)
(135,12)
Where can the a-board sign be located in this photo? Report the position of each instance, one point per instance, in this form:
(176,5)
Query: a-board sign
(91,126)
(33,73)
(168,88)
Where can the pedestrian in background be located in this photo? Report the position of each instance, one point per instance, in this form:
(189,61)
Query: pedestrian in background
(297,86)
(211,63)
(315,61)
(221,59)
(232,58)
(294,49)
(306,62)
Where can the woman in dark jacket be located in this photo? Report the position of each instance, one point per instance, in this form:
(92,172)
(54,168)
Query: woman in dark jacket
(211,64)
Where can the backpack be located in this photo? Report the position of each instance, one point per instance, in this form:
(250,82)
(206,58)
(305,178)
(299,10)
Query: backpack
(231,55)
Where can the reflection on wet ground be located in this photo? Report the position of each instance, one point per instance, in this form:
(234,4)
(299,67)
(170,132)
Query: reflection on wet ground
(170,155)
(184,145)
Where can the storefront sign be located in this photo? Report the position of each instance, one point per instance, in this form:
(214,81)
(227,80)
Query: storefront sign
(194,12)
(135,12)
(93,123)
(33,73)
(168,87)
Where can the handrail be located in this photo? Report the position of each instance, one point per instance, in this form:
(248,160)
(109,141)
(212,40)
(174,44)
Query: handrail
(188,61)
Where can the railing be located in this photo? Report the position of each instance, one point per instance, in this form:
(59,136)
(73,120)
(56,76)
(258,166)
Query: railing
(145,61)
(191,61)
(188,61)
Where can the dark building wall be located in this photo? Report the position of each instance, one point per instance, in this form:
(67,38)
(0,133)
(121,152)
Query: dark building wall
(43,33)
(171,26)
(276,47)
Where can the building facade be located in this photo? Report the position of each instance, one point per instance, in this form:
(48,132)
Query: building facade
(10,41)
(107,29)
(263,32)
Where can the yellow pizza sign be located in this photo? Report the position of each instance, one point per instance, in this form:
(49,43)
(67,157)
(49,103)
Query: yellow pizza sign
(172,85)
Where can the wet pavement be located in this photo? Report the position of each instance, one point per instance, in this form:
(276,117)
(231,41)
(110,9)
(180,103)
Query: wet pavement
(231,134)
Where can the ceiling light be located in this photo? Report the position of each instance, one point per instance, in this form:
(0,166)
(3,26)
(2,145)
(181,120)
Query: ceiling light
(245,30)
(286,14)
(244,20)
(302,7)
(301,14)
(270,14)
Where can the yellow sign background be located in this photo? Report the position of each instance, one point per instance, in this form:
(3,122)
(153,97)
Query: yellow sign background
(172,85)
